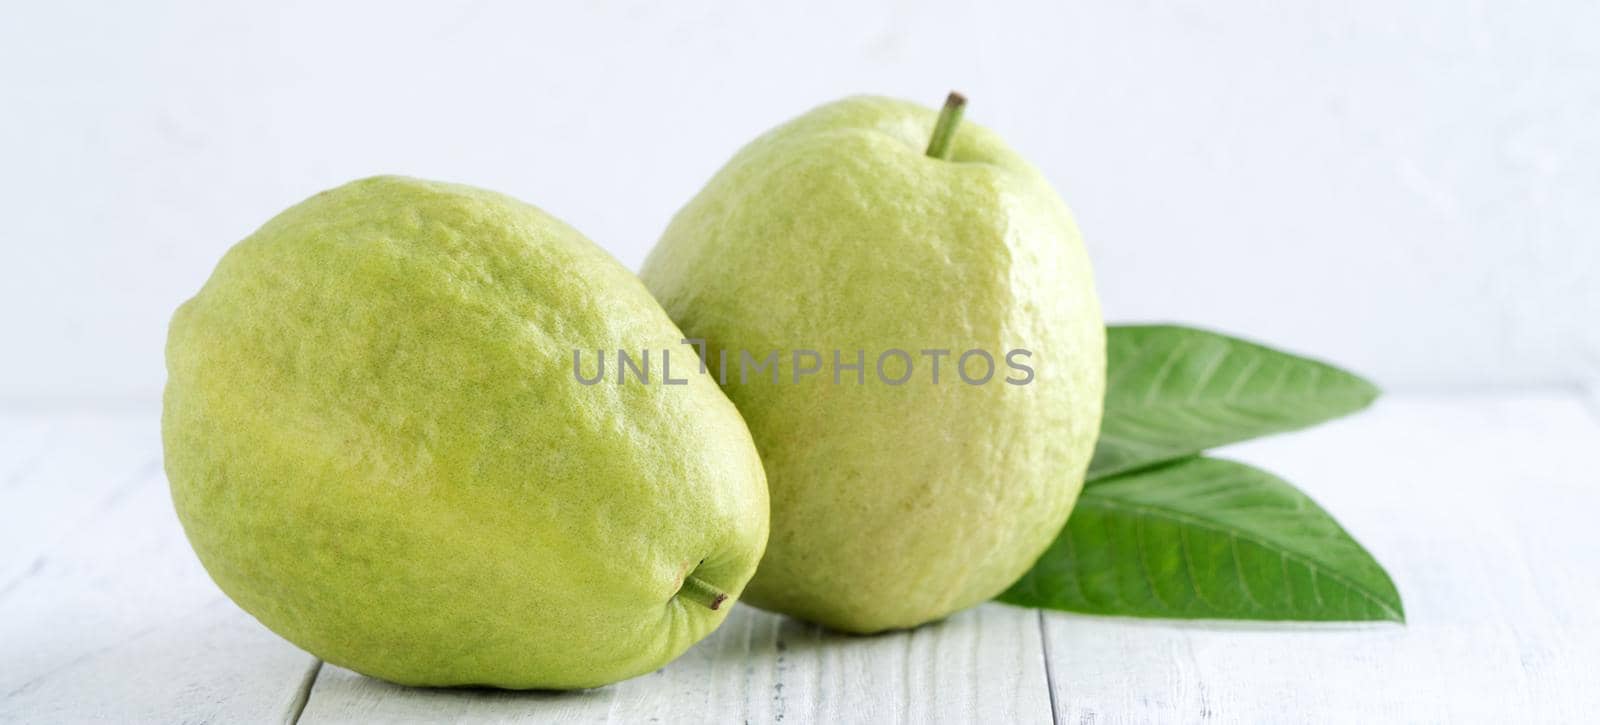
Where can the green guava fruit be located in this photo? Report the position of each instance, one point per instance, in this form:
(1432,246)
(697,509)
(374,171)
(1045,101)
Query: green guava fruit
(379,447)
(910,492)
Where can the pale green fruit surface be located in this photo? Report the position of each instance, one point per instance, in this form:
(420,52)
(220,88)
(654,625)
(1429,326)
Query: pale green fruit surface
(894,505)
(378,448)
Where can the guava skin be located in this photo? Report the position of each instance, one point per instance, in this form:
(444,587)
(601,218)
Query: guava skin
(377,446)
(893,506)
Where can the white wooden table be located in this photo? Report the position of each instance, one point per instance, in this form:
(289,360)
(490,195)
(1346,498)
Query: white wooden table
(1485,508)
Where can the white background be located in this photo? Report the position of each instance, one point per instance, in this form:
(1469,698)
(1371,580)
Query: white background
(1410,189)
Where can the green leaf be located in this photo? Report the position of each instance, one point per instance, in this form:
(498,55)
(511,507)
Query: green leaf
(1173,392)
(1207,538)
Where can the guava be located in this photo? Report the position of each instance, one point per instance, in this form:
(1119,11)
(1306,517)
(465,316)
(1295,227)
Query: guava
(378,446)
(860,233)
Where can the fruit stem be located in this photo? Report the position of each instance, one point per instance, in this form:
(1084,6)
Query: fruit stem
(702,593)
(945,130)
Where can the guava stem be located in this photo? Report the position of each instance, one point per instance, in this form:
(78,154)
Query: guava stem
(945,130)
(702,593)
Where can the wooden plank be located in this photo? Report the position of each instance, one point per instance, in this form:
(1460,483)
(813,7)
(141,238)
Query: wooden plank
(55,471)
(214,664)
(106,613)
(983,665)
(1483,510)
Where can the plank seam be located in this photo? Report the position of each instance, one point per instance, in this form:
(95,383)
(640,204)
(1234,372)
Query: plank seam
(1049,674)
(302,695)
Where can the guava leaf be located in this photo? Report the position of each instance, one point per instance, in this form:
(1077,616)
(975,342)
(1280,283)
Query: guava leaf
(1207,538)
(1173,392)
